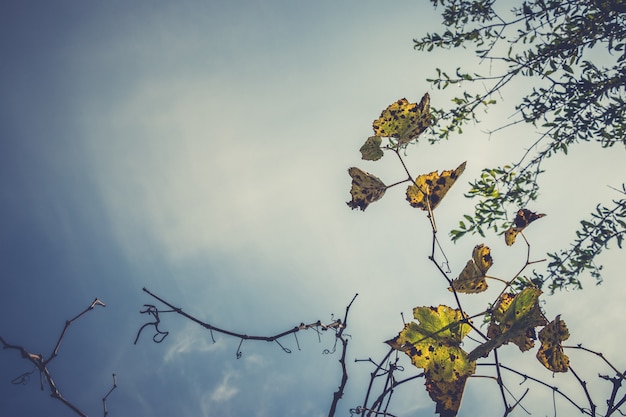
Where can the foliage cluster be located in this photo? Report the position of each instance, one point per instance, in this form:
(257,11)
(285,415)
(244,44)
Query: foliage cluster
(435,341)
(572,57)
(575,52)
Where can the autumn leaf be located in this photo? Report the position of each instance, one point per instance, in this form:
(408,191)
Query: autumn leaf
(523,218)
(429,189)
(403,120)
(433,344)
(366,188)
(550,353)
(370,151)
(472,278)
(514,319)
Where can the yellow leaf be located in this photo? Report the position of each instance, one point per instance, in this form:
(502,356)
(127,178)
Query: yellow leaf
(403,120)
(523,218)
(550,353)
(429,189)
(514,319)
(482,258)
(510,235)
(447,395)
(366,188)
(434,345)
(472,277)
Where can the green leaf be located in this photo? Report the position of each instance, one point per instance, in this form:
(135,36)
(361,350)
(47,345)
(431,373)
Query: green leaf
(370,151)
(433,344)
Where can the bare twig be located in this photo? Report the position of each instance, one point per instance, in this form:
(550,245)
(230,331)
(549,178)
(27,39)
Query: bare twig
(385,368)
(344,371)
(335,325)
(538,381)
(41,363)
(104,399)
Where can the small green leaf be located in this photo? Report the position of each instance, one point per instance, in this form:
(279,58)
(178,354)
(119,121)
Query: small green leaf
(370,151)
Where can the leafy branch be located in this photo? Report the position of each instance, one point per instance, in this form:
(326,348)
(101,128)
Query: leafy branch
(433,341)
(606,225)
(575,52)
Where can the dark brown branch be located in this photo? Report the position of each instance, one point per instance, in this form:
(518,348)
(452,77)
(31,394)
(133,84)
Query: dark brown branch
(42,364)
(391,384)
(67,324)
(344,371)
(373,376)
(538,381)
(507,407)
(583,384)
(622,375)
(104,399)
(336,325)
(381,403)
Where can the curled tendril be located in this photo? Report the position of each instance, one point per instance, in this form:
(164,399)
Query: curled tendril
(159,336)
(239,353)
(151,310)
(22,379)
(286,350)
(295,336)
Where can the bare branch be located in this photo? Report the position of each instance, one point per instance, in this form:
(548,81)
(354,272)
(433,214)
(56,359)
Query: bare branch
(335,325)
(344,371)
(104,399)
(42,364)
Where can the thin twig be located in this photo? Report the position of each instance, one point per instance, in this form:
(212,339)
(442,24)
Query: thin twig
(344,370)
(335,325)
(42,364)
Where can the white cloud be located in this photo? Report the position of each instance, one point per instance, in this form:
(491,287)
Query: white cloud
(254,360)
(225,390)
(191,339)
(235,164)
(216,402)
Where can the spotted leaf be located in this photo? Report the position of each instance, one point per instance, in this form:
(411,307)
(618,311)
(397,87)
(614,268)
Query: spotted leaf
(472,278)
(403,120)
(429,189)
(550,353)
(366,188)
(523,218)
(433,344)
(514,319)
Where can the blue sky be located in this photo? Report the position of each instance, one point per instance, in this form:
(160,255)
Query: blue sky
(200,149)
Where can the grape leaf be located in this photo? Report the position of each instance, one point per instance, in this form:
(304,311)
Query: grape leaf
(431,188)
(514,319)
(403,120)
(366,188)
(523,218)
(550,353)
(433,344)
(472,278)
(370,151)
(447,395)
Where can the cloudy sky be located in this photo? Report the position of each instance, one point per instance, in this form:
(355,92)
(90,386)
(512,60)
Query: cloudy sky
(200,150)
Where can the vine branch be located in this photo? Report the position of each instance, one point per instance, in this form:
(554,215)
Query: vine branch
(40,363)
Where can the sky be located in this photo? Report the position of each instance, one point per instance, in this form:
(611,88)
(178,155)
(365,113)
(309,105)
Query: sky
(200,150)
